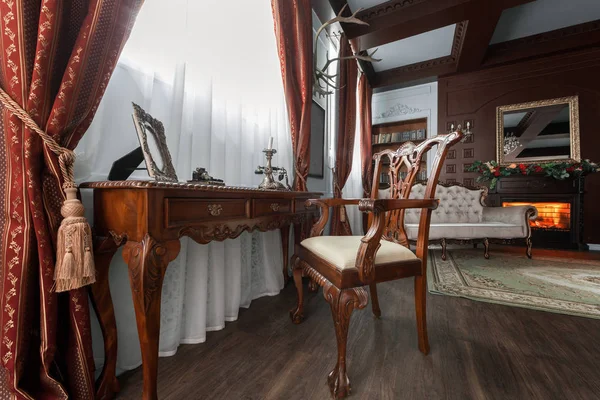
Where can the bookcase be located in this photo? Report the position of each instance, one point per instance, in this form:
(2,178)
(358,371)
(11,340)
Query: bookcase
(391,136)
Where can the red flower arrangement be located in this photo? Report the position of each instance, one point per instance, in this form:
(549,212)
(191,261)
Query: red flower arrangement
(491,171)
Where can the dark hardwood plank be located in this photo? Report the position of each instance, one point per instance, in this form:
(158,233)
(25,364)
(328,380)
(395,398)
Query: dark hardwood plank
(478,351)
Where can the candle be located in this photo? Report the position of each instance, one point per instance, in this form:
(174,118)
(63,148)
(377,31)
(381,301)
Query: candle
(270,143)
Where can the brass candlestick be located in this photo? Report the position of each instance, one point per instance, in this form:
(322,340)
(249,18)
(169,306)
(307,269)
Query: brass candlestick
(269,181)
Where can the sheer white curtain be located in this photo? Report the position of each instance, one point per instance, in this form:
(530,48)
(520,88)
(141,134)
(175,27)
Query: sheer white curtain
(211,74)
(353,188)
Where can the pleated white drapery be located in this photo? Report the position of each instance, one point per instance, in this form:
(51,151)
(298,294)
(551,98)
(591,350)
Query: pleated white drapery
(212,77)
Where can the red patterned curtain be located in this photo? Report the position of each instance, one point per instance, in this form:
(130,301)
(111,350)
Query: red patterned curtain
(347,77)
(293,29)
(365,95)
(57,58)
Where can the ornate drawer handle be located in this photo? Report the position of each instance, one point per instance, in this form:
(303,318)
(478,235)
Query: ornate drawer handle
(275,206)
(215,209)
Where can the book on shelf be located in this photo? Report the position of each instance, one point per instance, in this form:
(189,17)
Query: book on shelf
(421,134)
(405,136)
(396,137)
(384,178)
(413,135)
(374,139)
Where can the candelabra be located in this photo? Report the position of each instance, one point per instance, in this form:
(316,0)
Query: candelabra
(269,181)
(511,143)
(467,131)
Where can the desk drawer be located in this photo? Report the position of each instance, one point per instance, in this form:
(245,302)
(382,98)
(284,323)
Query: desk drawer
(179,211)
(301,207)
(271,206)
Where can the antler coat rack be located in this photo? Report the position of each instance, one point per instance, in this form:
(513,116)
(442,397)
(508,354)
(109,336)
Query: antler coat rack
(324,83)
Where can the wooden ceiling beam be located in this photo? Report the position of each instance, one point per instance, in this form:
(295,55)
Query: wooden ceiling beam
(559,40)
(397,20)
(479,32)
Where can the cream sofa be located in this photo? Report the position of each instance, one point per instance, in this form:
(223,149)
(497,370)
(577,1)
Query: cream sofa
(462,218)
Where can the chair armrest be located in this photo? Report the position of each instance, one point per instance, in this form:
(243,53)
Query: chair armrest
(375,206)
(513,215)
(331,202)
(325,204)
(382,205)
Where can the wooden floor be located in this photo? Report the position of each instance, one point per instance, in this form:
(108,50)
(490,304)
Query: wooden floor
(478,351)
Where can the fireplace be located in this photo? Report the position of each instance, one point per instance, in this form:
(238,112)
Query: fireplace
(553,215)
(559,203)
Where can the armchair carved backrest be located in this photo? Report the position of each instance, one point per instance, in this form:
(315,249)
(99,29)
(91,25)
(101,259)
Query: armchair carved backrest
(408,160)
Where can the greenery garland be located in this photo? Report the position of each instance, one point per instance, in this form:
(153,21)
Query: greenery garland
(492,172)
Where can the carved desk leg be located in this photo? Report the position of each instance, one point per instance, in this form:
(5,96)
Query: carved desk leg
(148,263)
(107,384)
(285,244)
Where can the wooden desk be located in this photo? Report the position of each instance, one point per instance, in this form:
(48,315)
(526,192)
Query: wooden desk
(148,218)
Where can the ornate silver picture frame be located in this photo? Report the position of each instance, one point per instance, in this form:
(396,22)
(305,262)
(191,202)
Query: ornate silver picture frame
(151,133)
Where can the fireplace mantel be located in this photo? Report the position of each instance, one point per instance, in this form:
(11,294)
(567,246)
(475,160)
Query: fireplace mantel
(533,188)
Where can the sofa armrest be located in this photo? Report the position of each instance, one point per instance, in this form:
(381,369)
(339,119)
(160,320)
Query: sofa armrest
(512,215)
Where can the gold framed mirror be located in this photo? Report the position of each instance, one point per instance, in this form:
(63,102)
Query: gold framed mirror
(538,132)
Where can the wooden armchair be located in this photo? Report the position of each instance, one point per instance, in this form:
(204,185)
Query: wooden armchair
(343,265)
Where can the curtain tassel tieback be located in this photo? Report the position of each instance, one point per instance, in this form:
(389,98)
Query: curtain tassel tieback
(74,258)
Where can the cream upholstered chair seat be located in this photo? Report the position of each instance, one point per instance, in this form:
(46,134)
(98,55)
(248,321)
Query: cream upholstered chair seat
(341,251)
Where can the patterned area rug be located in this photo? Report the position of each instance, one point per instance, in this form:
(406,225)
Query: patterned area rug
(565,286)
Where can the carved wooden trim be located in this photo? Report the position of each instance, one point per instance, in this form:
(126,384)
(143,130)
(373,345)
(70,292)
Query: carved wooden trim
(385,8)
(135,184)
(219,232)
(119,239)
(215,209)
(398,74)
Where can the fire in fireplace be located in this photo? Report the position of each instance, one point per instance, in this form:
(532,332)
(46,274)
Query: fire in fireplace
(551,215)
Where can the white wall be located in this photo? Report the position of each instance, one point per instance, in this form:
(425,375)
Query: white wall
(413,102)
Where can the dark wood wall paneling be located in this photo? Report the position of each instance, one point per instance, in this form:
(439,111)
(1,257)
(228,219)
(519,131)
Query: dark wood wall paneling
(475,96)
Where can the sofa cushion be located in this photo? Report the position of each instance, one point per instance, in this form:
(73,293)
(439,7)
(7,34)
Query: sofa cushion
(492,230)
(457,205)
(341,251)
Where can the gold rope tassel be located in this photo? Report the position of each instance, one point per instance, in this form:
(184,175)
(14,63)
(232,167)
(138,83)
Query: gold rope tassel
(74,259)
(74,267)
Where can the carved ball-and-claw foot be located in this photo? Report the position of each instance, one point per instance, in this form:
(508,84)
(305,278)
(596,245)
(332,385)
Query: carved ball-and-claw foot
(297,316)
(339,384)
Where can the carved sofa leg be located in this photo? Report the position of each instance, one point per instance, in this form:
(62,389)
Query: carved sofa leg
(486,247)
(529,245)
(342,303)
(444,249)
